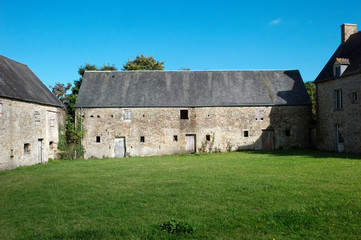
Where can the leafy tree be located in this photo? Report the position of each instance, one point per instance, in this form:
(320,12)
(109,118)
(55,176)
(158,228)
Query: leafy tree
(311,90)
(60,90)
(72,131)
(143,62)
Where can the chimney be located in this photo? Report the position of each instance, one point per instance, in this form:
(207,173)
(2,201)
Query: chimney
(347,30)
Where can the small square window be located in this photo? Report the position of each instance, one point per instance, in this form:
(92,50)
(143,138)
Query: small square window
(208,137)
(245,133)
(127,114)
(288,132)
(142,139)
(97,139)
(51,145)
(183,114)
(175,138)
(26,147)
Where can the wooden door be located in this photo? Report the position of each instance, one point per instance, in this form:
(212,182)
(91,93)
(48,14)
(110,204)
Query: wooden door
(40,152)
(268,140)
(190,143)
(119,148)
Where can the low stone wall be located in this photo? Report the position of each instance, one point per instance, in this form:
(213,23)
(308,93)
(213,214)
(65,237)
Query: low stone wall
(23,127)
(228,128)
(348,117)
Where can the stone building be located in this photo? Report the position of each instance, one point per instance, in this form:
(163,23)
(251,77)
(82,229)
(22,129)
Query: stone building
(29,117)
(138,113)
(338,96)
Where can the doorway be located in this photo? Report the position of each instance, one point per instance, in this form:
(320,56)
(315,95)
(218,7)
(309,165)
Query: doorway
(190,143)
(340,147)
(119,148)
(268,140)
(40,150)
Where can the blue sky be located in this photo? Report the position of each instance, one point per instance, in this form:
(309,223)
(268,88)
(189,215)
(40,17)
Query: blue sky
(54,38)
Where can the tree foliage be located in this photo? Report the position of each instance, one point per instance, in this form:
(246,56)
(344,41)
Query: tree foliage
(311,90)
(72,130)
(59,90)
(143,62)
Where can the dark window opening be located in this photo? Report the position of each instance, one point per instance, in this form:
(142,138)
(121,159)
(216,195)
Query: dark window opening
(26,147)
(354,97)
(91,116)
(82,116)
(208,137)
(175,138)
(111,116)
(183,114)
(142,139)
(98,116)
(288,132)
(97,139)
(51,144)
(337,71)
(245,133)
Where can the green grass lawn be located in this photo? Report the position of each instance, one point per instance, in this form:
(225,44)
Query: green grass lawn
(296,194)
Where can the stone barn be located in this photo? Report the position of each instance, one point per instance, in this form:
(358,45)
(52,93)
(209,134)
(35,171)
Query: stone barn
(29,117)
(338,96)
(139,113)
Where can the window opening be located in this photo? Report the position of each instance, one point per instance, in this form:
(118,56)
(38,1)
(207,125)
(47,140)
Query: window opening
(51,145)
(338,99)
(97,139)
(142,139)
(354,97)
(245,133)
(208,137)
(175,138)
(26,147)
(183,114)
(288,132)
(127,114)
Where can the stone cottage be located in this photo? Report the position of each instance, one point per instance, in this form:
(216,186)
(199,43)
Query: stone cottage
(29,117)
(338,96)
(138,113)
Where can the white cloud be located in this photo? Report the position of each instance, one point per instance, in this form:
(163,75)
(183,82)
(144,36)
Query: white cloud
(275,22)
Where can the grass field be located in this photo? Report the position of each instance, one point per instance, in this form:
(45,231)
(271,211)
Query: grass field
(294,194)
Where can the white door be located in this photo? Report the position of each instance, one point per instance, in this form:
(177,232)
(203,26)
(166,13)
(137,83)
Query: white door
(339,139)
(40,152)
(190,143)
(119,148)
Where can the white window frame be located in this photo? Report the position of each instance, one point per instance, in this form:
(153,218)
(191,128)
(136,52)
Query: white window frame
(127,114)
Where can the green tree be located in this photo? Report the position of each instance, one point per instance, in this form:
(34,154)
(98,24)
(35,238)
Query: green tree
(311,90)
(60,90)
(143,62)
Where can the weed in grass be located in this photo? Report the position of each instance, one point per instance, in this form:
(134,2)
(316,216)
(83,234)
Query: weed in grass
(176,227)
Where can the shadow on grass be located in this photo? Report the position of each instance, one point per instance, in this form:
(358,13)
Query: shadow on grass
(309,153)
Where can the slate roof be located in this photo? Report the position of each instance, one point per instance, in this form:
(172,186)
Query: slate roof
(191,88)
(18,82)
(351,50)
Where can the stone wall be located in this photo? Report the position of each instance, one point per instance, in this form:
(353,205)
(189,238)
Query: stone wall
(348,117)
(22,126)
(165,133)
